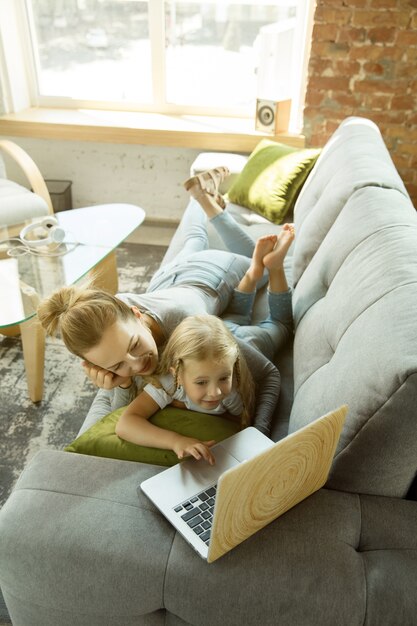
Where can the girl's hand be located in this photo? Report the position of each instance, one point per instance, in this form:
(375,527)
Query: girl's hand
(103,378)
(187,446)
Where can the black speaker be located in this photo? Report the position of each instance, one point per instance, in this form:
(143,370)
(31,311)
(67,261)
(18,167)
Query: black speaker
(272,116)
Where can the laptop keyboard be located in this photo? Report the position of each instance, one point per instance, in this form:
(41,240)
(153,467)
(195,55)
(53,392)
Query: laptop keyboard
(197,512)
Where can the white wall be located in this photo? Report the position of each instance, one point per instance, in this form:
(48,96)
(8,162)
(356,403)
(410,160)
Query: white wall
(148,176)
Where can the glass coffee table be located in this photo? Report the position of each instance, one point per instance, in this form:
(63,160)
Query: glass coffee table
(92,236)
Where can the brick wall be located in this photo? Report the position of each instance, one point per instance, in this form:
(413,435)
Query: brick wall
(364,62)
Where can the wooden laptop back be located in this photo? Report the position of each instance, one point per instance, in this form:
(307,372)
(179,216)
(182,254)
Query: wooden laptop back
(255,492)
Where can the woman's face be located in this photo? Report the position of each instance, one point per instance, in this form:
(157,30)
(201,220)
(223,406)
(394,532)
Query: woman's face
(127,348)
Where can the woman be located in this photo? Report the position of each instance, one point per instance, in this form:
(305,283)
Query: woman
(119,337)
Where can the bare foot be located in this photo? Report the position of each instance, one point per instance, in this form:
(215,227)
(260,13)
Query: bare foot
(274,260)
(263,247)
(250,280)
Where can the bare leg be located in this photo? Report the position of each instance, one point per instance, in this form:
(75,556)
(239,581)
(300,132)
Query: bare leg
(204,190)
(210,205)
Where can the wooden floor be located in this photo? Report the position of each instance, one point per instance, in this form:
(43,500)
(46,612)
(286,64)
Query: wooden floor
(153,234)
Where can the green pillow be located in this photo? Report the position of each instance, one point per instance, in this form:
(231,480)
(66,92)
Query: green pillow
(272,179)
(101,440)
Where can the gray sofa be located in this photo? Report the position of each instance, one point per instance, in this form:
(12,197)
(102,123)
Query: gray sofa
(77,545)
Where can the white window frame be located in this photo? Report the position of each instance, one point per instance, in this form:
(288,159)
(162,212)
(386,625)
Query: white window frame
(18,66)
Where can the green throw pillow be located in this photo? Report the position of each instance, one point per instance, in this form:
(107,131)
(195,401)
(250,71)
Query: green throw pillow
(272,179)
(101,440)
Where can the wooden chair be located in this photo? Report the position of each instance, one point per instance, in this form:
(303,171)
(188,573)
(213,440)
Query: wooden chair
(17,203)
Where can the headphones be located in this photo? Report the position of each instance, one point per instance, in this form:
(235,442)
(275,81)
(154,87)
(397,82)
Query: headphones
(46,232)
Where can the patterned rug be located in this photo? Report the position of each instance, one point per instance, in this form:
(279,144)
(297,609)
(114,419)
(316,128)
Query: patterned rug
(25,427)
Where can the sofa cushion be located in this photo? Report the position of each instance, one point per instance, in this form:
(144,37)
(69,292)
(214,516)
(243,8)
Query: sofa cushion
(354,157)
(331,560)
(101,440)
(272,179)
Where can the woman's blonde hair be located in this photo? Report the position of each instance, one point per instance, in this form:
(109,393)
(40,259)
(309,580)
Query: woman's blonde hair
(201,337)
(81,314)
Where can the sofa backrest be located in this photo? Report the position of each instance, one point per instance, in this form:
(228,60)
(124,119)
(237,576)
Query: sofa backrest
(355,298)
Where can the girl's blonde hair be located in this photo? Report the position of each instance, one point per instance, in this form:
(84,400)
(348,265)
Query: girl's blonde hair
(201,337)
(81,314)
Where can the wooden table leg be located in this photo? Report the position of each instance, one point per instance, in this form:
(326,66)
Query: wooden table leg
(105,273)
(33,341)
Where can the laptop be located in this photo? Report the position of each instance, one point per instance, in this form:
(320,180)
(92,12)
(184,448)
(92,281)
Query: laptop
(253,481)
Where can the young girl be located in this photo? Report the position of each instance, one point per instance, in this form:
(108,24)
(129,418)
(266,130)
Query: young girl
(119,337)
(202,367)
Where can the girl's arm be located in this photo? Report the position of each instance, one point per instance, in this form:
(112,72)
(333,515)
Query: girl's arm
(268,384)
(134,426)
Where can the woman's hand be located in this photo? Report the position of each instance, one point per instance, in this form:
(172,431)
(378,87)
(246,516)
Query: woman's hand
(103,378)
(187,446)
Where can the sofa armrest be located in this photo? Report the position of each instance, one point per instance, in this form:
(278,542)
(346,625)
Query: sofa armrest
(78,545)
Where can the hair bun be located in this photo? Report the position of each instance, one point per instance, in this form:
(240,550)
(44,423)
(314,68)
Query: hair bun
(51,309)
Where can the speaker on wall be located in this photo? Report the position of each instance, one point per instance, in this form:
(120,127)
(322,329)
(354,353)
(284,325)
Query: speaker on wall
(272,116)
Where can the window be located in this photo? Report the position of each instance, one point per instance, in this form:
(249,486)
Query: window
(209,58)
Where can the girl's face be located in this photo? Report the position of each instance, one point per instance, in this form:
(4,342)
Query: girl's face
(126,348)
(207,382)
